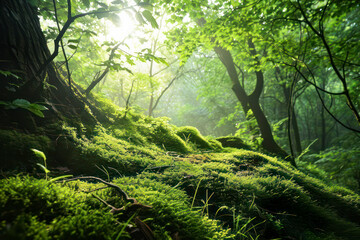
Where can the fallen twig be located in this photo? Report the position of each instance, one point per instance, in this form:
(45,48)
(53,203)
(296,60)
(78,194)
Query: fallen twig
(134,204)
(117,188)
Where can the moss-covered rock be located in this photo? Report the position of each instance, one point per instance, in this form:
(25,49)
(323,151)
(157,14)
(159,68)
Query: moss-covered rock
(234,142)
(192,135)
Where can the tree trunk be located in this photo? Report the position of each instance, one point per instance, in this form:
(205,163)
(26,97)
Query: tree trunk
(227,60)
(295,128)
(293,120)
(96,81)
(23,50)
(252,101)
(323,121)
(151,108)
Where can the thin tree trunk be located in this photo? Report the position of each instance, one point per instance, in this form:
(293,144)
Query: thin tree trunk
(323,121)
(227,60)
(295,128)
(151,108)
(252,101)
(101,77)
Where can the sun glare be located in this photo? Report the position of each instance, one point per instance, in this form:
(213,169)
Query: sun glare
(124,29)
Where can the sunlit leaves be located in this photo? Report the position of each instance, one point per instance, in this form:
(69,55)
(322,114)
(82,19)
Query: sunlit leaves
(115,19)
(86,3)
(149,17)
(116,66)
(139,18)
(117,2)
(146,5)
(146,55)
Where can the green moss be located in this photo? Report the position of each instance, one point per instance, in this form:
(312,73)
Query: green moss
(37,209)
(164,136)
(191,134)
(234,142)
(172,208)
(250,185)
(216,145)
(229,194)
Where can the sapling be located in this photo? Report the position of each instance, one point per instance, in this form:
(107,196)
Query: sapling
(41,155)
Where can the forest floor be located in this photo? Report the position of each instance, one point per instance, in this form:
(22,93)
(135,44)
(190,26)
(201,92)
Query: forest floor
(138,177)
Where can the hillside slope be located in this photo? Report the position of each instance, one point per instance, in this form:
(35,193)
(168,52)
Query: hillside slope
(152,180)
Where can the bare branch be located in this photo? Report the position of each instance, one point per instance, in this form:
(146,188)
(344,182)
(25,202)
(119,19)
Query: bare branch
(333,116)
(61,41)
(311,83)
(167,87)
(117,188)
(67,24)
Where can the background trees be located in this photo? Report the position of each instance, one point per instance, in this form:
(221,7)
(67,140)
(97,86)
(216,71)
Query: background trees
(280,74)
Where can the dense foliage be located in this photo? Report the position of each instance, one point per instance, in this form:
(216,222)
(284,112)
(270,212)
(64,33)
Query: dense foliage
(272,84)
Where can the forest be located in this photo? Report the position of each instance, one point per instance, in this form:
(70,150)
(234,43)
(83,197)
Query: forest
(180,120)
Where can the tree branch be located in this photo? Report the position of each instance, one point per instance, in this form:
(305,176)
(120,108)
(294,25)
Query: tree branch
(67,24)
(61,41)
(117,188)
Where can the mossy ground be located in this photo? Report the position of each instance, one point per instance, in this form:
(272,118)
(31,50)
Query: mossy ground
(196,188)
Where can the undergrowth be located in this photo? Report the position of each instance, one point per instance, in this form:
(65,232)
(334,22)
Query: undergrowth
(194,187)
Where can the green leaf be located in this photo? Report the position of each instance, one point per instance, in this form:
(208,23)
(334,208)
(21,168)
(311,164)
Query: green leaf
(90,33)
(38,107)
(74,40)
(60,177)
(102,4)
(115,19)
(86,3)
(72,46)
(117,2)
(21,103)
(39,153)
(37,112)
(7,73)
(146,6)
(101,13)
(139,18)
(44,168)
(149,17)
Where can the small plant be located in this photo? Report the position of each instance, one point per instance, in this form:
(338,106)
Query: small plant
(42,156)
(196,190)
(25,104)
(243,230)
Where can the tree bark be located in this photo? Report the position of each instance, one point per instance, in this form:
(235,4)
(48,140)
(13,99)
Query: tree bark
(294,127)
(227,60)
(251,101)
(23,51)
